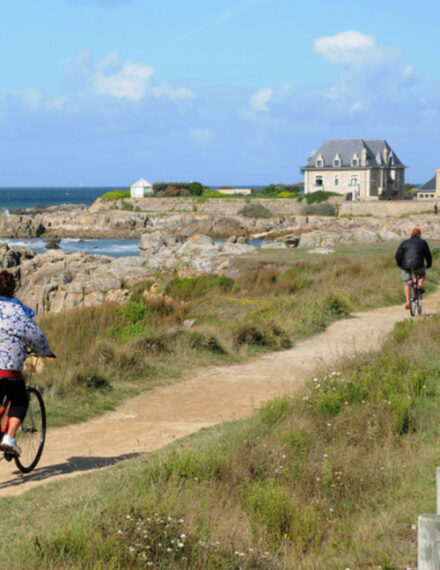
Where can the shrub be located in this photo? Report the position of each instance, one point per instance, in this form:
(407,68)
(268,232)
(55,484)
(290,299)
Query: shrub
(255,211)
(319,196)
(186,288)
(325,209)
(286,194)
(116,195)
(126,206)
(213,194)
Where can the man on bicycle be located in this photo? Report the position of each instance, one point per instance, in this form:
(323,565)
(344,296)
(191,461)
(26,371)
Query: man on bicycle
(411,256)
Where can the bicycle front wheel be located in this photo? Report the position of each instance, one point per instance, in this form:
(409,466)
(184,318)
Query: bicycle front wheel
(32,432)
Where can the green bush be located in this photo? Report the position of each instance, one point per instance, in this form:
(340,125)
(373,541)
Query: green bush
(255,211)
(127,206)
(116,195)
(286,194)
(213,194)
(324,209)
(319,196)
(186,288)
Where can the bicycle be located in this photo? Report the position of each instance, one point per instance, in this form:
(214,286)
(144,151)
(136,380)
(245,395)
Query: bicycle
(31,434)
(415,295)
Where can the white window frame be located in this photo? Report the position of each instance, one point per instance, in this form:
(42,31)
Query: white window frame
(319,163)
(354,180)
(354,161)
(336,180)
(318,177)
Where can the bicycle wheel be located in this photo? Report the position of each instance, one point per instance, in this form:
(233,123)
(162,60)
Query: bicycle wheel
(412,301)
(419,302)
(32,432)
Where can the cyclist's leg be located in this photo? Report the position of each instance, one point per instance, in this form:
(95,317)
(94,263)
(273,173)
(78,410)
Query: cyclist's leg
(406,280)
(15,389)
(421,273)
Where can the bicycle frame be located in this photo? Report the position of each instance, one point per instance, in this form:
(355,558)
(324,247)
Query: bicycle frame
(415,297)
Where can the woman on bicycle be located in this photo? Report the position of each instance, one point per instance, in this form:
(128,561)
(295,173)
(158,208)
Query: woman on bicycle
(18,330)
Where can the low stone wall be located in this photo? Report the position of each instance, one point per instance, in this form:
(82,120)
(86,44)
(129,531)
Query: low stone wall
(393,208)
(217,206)
(278,206)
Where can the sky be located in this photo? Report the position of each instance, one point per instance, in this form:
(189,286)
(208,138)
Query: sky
(237,92)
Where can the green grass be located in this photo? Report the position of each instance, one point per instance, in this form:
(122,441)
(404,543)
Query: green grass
(116,195)
(331,477)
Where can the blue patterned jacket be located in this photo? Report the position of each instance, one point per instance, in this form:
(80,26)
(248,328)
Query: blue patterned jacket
(18,330)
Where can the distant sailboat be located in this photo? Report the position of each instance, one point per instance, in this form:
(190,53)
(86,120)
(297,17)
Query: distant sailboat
(81,184)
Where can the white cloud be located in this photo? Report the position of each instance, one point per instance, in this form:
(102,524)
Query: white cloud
(259,100)
(201,136)
(130,82)
(346,47)
(173,93)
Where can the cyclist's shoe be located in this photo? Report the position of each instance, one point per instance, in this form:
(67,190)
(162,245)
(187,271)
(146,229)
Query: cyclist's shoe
(9,445)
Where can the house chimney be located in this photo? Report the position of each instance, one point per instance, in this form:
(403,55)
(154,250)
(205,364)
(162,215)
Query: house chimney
(364,157)
(385,156)
(437,180)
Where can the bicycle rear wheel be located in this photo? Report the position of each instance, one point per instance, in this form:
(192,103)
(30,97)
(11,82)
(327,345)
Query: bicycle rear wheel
(419,302)
(412,301)
(32,432)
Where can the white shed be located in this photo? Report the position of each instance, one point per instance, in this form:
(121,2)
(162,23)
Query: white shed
(141,188)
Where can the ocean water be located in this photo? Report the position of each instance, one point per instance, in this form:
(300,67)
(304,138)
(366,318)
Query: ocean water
(112,247)
(17,198)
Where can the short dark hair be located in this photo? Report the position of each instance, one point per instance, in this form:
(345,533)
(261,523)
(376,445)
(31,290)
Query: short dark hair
(7,284)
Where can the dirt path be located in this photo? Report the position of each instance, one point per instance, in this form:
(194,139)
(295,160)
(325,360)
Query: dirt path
(214,395)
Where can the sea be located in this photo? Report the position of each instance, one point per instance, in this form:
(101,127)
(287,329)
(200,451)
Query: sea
(23,198)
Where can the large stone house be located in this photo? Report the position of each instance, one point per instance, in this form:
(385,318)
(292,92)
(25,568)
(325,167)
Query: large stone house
(357,169)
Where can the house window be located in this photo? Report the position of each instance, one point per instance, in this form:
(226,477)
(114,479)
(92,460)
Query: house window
(355,162)
(319,163)
(354,180)
(318,181)
(336,179)
(337,162)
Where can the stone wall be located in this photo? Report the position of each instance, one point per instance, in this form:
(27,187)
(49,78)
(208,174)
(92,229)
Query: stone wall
(393,208)
(279,206)
(216,206)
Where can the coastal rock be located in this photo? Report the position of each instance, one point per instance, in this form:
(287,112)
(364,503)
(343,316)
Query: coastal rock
(56,281)
(215,227)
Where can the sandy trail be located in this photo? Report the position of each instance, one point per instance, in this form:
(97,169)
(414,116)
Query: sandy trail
(213,395)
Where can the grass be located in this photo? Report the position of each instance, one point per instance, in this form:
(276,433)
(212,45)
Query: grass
(173,325)
(331,477)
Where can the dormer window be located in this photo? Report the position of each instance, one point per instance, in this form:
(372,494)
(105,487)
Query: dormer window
(319,161)
(355,160)
(337,161)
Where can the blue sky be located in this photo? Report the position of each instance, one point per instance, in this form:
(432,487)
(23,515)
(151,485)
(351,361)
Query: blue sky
(222,91)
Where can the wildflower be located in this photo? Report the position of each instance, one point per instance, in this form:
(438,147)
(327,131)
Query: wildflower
(180,544)
(120,531)
(180,521)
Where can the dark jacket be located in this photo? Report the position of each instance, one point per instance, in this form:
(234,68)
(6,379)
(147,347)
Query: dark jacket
(412,254)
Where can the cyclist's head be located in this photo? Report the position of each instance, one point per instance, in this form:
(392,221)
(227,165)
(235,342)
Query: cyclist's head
(7,284)
(416,232)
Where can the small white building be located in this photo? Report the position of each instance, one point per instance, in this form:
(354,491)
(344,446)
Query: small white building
(233,191)
(141,188)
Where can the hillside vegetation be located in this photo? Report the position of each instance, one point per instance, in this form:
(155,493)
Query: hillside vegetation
(333,477)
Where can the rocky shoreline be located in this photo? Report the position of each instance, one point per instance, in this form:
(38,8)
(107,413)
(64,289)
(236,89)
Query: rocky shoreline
(181,243)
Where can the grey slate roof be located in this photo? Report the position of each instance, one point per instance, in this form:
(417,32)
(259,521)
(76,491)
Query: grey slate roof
(428,186)
(346,148)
